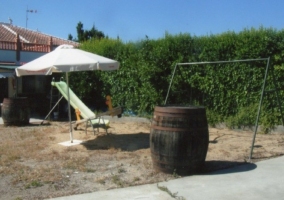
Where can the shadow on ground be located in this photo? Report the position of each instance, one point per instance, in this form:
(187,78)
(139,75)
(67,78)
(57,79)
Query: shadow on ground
(214,166)
(33,124)
(125,142)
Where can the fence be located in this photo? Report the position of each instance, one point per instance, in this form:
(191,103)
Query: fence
(7,45)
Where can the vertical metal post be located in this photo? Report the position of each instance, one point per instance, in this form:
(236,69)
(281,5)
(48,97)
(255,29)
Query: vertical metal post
(69,110)
(170,84)
(16,85)
(262,93)
(27,17)
(259,108)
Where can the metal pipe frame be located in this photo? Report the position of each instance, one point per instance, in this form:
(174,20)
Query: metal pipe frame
(262,90)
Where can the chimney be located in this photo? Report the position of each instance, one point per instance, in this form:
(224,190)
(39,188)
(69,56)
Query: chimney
(50,44)
(18,47)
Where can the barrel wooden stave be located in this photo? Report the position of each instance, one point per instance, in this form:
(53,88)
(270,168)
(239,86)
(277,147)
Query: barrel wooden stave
(179,139)
(15,111)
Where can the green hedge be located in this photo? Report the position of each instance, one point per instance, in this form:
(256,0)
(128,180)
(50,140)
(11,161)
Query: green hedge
(230,92)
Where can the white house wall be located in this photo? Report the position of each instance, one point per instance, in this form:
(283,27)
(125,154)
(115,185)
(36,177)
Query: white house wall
(25,56)
(29,56)
(7,56)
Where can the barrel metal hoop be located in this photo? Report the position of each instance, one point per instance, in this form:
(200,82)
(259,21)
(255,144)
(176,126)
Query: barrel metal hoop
(174,109)
(176,115)
(193,129)
(168,128)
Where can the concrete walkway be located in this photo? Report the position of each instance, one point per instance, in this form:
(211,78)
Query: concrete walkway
(261,181)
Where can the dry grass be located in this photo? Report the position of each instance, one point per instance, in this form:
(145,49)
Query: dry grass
(24,155)
(34,166)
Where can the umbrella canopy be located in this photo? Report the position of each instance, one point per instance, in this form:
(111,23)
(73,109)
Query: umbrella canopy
(66,58)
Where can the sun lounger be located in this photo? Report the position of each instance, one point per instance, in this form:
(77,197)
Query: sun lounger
(89,117)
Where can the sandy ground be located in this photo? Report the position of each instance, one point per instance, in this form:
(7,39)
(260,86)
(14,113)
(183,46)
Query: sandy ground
(33,165)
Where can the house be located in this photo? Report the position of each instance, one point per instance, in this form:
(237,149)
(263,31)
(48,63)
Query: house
(18,46)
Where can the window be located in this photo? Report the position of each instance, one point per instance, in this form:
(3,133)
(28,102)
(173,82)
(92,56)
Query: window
(35,84)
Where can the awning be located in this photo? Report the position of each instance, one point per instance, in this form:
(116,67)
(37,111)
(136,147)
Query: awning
(6,74)
(9,67)
(9,70)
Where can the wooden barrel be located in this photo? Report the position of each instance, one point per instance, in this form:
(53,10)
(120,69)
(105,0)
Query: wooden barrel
(15,111)
(179,139)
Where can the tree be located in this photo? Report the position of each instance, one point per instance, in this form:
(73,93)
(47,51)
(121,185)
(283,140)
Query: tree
(94,33)
(70,37)
(80,32)
(84,35)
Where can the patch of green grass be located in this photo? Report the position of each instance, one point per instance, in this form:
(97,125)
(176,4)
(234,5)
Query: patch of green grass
(89,170)
(34,184)
(101,181)
(116,180)
(121,170)
(175,174)
(136,179)
(174,195)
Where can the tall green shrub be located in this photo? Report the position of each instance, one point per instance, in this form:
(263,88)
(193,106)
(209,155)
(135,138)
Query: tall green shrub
(226,90)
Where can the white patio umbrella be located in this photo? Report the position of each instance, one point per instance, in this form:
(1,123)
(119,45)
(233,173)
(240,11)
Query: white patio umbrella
(66,58)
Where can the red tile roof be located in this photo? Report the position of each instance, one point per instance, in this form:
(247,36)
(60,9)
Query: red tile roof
(8,33)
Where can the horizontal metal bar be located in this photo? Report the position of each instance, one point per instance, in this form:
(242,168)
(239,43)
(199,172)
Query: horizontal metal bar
(220,62)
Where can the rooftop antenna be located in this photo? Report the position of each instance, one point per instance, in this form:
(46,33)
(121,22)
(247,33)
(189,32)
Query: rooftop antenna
(10,20)
(29,11)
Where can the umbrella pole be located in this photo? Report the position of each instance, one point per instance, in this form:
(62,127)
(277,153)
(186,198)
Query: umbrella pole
(69,110)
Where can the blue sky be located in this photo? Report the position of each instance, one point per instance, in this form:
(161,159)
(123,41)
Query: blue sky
(132,20)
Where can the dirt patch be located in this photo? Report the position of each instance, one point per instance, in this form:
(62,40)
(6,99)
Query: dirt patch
(34,166)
